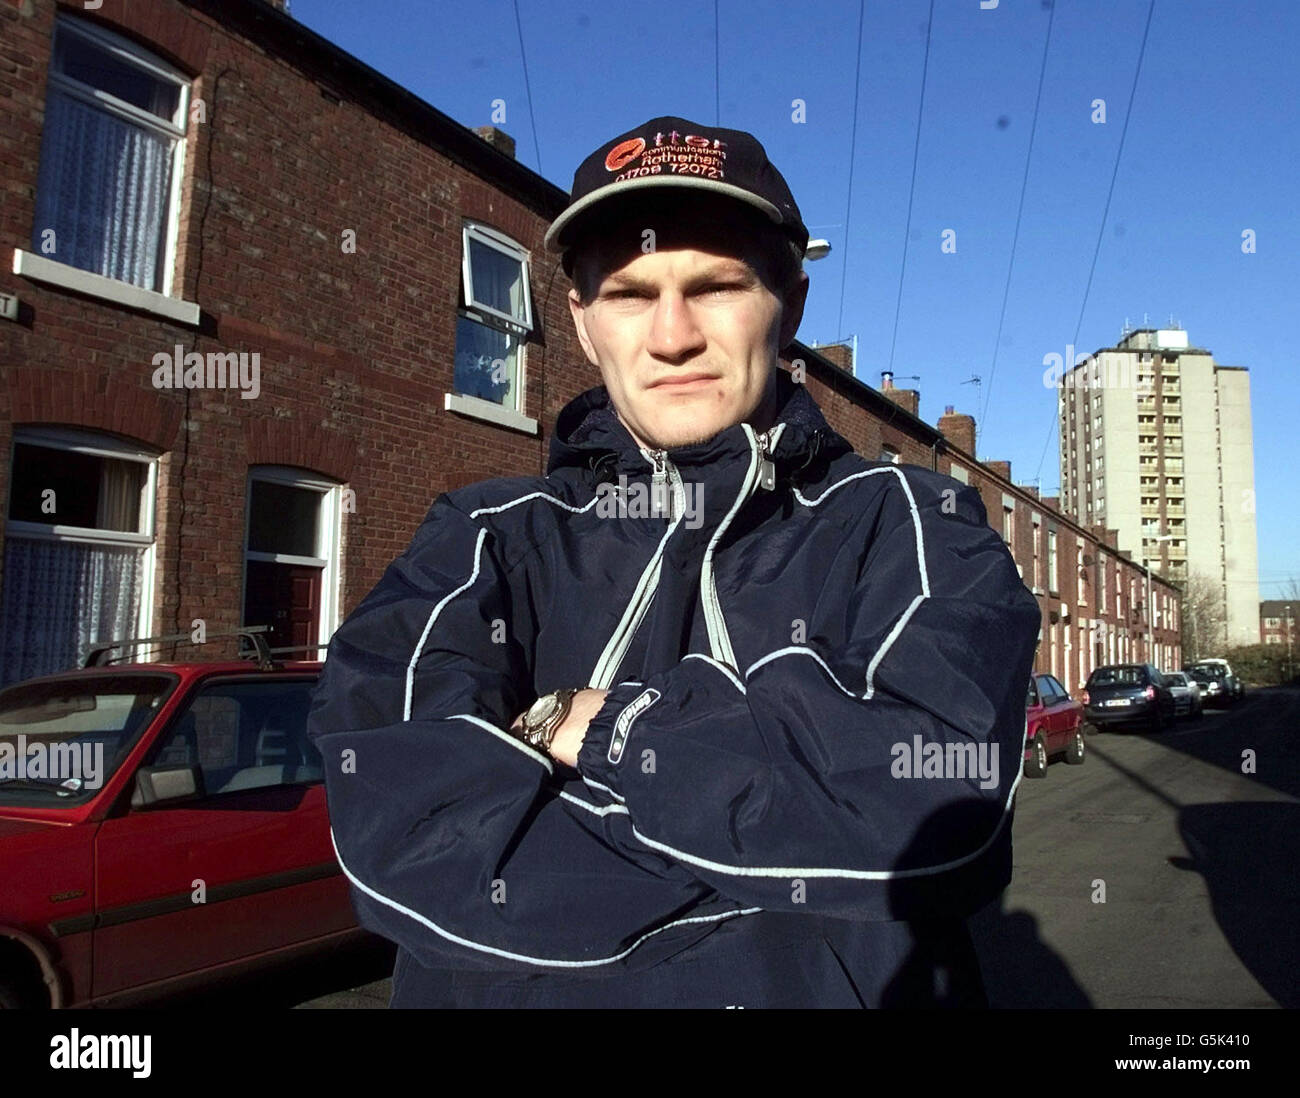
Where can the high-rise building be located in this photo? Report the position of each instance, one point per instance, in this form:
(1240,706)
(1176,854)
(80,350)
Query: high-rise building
(1156,443)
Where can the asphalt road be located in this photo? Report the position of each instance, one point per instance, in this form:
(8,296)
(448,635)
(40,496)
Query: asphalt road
(1197,862)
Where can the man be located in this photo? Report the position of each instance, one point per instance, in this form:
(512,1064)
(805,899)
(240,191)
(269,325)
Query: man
(716,713)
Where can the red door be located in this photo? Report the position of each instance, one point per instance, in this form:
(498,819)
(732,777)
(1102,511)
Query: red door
(287,598)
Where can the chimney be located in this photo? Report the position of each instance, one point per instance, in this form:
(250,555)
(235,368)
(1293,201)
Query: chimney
(1054,502)
(907,399)
(958,429)
(1001,468)
(498,139)
(841,354)
(1028,489)
(886,380)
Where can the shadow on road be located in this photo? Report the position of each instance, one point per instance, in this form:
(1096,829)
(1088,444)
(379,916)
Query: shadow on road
(1247,851)
(287,985)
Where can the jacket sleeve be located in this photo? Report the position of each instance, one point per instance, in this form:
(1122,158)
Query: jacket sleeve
(870,777)
(457,842)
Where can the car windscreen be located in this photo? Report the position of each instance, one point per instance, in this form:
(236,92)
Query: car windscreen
(1118,676)
(64,738)
(1208,673)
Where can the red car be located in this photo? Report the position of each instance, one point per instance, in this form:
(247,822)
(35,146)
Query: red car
(194,841)
(1054,725)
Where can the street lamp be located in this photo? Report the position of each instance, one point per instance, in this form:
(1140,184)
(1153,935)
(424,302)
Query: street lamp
(1157,538)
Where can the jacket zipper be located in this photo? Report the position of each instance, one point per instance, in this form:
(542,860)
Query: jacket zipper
(664,475)
(762,474)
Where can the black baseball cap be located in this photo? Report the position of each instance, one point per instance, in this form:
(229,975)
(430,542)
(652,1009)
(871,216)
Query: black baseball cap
(675,152)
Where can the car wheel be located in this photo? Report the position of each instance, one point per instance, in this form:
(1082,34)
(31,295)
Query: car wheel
(1036,764)
(13,994)
(1074,754)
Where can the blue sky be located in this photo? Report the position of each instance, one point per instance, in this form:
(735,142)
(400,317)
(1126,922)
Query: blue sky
(1212,148)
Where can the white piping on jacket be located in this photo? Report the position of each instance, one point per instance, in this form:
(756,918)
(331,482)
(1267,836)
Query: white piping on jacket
(542,961)
(854,874)
(428,626)
(513,741)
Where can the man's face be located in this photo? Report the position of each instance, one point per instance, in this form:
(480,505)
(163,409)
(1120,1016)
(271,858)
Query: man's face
(694,308)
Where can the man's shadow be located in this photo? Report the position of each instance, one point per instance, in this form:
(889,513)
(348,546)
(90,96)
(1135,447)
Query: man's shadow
(1018,969)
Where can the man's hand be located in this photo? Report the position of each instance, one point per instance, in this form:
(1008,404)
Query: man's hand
(569,736)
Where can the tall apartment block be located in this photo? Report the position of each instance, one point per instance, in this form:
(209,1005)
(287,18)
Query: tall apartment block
(1156,443)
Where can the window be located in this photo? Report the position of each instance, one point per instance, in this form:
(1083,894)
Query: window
(1082,573)
(1038,570)
(888,453)
(958,473)
(1008,524)
(291,557)
(1051,561)
(245,735)
(79,549)
(111,152)
(495,318)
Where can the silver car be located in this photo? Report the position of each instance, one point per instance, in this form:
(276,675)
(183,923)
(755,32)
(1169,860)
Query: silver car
(1187,693)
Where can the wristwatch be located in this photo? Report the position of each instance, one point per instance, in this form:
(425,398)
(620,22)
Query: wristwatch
(544,716)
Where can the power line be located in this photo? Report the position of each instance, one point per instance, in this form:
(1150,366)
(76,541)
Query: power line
(911,194)
(528,91)
(853,145)
(1015,236)
(1101,230)
(717,77)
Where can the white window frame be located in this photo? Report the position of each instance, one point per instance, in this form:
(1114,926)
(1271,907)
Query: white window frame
(176,129)
(1052,585)
(99,445)
(328,539)
(490,238)
(478,312)
(1037,520)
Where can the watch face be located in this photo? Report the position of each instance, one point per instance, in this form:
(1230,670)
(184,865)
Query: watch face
(542,708)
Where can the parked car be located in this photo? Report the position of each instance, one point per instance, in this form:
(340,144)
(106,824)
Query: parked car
(1186,691)
(1054,726)
(1128,693)
(1219,685)
(194,842)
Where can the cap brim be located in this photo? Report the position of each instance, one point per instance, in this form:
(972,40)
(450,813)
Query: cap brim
(558,236)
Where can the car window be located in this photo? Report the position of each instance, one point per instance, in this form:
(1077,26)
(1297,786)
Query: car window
(245,734)
(1176,678)
(1056,685)
(1118,676)
(85,727)
(1032,699)
(1046,690)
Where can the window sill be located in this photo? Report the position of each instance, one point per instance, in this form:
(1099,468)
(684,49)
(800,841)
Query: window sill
(477,408)
(54,273)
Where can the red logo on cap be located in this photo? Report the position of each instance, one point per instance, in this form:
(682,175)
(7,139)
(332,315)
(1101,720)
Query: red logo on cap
(624,153)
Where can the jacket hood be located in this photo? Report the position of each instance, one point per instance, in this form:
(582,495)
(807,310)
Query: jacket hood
(589,435)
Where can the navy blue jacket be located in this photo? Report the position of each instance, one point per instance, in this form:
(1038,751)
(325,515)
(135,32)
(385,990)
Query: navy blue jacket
(809,656)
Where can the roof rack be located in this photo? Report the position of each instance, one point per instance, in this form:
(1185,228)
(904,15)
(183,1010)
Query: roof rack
(297,648)
(98,654)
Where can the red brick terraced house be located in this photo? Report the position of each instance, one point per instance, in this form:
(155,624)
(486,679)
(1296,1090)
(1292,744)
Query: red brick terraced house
(262,305)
